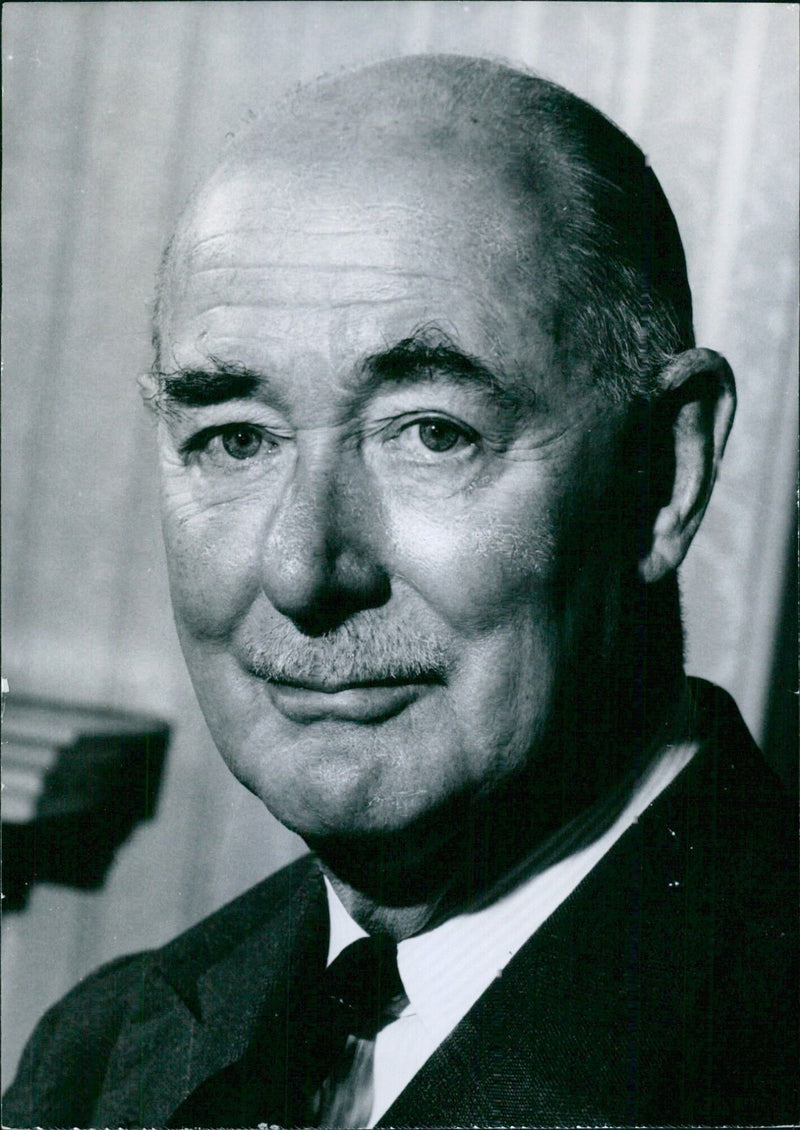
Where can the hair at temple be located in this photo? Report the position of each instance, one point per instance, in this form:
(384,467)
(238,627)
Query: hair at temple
(624,306)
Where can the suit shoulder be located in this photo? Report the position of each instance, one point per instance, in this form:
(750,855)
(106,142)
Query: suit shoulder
(734,778)
(270,904)
(64,1060)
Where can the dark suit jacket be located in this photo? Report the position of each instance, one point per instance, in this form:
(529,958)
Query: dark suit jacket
(660,992)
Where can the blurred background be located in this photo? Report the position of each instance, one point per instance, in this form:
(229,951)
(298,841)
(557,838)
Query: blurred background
(111,113)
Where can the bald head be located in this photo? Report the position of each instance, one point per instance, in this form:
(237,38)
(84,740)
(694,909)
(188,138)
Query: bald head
(527,162)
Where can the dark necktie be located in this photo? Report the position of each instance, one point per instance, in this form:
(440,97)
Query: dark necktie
(364,985)
(364,991)
(320,1069)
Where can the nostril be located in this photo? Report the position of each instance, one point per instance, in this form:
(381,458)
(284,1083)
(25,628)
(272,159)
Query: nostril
(331,607)
(321,618)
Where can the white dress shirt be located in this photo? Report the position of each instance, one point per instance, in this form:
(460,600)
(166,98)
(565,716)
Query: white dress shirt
(445,970)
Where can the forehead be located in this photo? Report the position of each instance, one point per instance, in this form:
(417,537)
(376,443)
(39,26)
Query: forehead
(346,255)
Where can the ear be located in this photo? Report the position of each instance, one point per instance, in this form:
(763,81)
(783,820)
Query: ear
(699,401)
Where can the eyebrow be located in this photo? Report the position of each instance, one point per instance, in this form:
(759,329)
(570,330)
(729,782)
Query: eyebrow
(422,356)
(430,354)
(416,356)
(198,388)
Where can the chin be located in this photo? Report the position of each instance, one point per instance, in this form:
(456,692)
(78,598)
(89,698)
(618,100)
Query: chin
(351,808)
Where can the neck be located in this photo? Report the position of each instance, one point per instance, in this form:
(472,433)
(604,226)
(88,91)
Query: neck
(397,922)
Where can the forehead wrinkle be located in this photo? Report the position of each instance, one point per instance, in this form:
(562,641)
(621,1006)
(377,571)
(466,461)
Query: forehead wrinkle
(191,245)
(374,280)
(339,268)
(386,292)
(240,203)
(510,247)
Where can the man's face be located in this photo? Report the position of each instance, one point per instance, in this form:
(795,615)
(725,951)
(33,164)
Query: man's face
(377,486)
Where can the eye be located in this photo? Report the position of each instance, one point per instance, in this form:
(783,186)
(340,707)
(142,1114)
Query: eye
(241,441)
(435,435)
(219,444)
(440,436)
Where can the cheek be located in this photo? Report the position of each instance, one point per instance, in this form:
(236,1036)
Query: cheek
(212,559)
(475,567)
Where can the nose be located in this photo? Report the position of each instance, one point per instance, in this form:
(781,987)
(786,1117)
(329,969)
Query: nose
(321,554)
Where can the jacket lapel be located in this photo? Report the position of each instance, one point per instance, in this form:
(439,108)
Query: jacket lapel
(545,1044)
(212,1019)
(595,1019)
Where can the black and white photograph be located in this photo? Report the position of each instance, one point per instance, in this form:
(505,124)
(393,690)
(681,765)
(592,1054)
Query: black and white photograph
(399,564)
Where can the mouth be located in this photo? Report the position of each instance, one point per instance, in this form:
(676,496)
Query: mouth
(357,700)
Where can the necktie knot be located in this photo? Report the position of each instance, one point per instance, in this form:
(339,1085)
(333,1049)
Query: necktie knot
(364,985)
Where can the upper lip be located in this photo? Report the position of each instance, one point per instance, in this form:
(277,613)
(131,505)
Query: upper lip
(331,685)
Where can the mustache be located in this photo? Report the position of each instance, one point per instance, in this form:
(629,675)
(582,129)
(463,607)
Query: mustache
(358,651)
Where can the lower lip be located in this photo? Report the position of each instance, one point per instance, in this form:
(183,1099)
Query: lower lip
(351,704)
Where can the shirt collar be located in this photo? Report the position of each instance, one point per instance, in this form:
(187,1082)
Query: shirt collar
(445,970)
(344,929)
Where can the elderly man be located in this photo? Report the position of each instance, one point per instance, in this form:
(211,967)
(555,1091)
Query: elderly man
(434,438)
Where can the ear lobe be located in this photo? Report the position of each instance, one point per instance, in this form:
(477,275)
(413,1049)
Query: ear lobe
(699,399)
